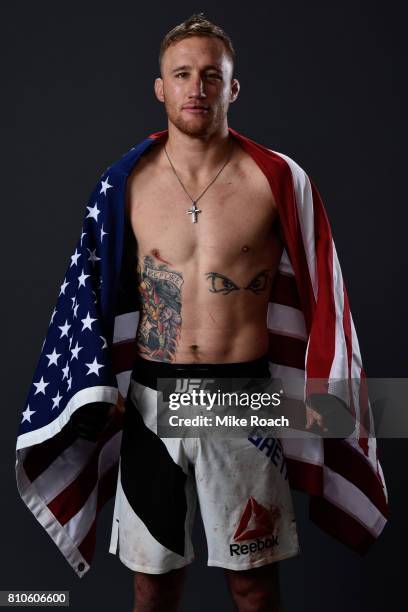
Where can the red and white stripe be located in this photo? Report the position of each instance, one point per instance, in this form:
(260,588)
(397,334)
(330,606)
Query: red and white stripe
(343,476)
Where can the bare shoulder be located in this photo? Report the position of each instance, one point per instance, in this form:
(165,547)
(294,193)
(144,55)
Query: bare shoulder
(146,165)
(145,170)
(251,174)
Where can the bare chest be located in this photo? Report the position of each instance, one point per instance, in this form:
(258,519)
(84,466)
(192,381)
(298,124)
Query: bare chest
(236,212)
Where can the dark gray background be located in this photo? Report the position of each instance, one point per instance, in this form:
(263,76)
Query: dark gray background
(322,82)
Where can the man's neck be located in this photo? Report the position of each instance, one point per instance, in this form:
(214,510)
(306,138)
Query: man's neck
(198,156)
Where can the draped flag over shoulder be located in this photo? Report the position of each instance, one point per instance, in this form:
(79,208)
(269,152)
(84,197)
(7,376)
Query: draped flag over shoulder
(88,353)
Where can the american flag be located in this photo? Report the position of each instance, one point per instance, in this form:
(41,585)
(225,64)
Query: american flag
(88,352)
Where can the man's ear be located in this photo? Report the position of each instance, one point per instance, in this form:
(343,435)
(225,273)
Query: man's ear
(235,87)
(158,89)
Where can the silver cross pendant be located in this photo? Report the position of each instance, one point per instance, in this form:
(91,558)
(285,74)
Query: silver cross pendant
(193,211)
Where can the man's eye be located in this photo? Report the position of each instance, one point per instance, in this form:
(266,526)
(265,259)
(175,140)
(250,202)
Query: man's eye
(213,75)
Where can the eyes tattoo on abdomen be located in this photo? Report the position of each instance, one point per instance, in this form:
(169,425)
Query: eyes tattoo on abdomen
(222,284)
(159,327)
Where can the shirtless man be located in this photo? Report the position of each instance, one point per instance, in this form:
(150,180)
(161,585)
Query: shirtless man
(202,244)
(204,266)
(223,262)
(202,231)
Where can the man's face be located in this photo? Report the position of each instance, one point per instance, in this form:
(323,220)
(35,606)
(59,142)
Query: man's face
(197,72)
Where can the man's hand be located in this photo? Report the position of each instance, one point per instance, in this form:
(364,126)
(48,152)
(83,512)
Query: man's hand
(118,407)
(89,421)
(314,419)
(120,404)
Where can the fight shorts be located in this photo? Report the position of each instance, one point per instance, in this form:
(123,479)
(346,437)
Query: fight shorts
(240,483)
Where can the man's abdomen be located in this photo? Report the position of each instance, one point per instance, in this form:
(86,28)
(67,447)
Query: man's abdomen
(191,314)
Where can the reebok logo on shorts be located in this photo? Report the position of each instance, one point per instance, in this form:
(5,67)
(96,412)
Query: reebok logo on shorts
(256,522)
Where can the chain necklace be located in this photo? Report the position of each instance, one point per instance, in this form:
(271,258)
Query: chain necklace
(193,211)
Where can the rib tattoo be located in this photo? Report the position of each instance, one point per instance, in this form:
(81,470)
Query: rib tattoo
(159,327)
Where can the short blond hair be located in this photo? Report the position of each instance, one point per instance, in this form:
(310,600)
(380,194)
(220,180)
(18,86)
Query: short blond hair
(196,25)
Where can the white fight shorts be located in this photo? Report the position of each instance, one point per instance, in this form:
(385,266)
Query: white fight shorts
(240,483)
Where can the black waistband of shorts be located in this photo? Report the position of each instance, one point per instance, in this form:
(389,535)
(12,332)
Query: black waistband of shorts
(146,371)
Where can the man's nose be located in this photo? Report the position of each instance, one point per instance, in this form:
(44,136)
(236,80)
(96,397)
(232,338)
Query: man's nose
(197,88)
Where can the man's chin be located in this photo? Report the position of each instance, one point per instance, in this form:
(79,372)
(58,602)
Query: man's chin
(198,126)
